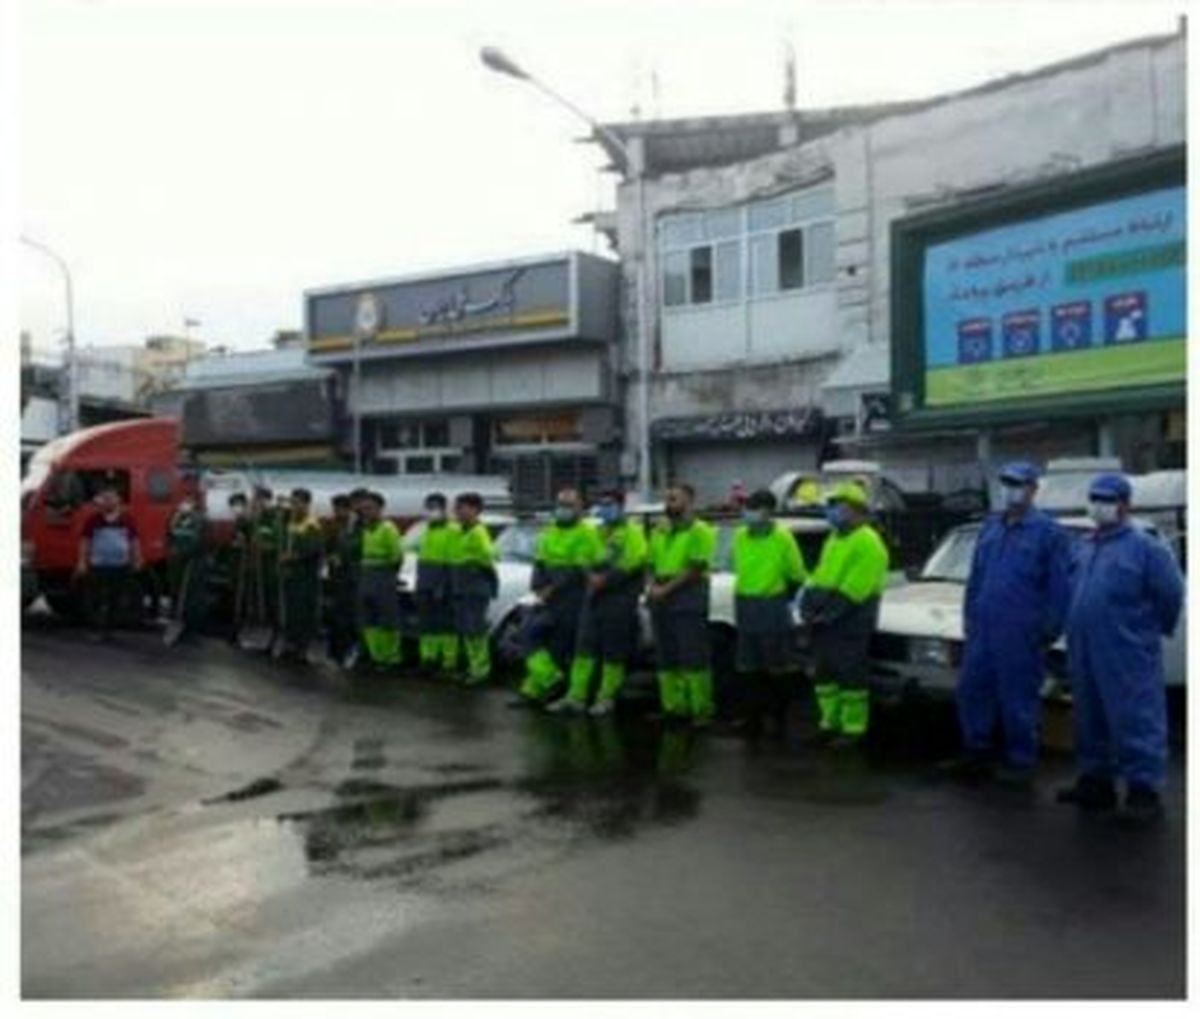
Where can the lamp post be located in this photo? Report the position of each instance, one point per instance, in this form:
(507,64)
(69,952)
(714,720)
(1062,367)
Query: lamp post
(68,395)
(498,61)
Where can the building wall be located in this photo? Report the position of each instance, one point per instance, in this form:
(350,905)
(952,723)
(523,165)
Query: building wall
(1126,101)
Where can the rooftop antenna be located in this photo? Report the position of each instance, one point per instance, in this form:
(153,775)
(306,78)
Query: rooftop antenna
(789,73)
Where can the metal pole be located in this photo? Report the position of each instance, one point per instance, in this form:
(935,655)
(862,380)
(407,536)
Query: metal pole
(643,329)
(68,412)
(357,404)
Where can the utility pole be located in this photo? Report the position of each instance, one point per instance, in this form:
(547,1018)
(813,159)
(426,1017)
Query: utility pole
(68,392)
(634,169)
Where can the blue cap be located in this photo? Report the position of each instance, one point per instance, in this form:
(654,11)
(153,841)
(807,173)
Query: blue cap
(1019,473)
(1111,487)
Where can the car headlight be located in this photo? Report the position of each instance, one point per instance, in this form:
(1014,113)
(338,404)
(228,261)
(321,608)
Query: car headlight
(933,651)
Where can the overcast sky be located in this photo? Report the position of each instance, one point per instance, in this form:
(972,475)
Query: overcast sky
(213,158)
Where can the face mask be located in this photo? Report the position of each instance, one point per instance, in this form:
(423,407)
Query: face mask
(1015,496)
(609,514)
(1104,513)
(436,516)
(837,515)
(565,514)
(674,512)
(186,507)
(754,518)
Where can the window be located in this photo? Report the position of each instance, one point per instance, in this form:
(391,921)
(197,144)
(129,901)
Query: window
(675,268)
(729,271)
(791,260)
(413,434)
(701,275)
(764,264)
(451,464)
(770,214)
(437,433)
(418,465)
(819,253)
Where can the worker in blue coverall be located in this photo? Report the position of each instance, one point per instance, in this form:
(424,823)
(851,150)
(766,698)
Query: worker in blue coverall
(1126,595)
(1016,601)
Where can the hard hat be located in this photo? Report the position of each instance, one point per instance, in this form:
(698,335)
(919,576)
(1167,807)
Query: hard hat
(1019,473)
(850,492)
(1110,487)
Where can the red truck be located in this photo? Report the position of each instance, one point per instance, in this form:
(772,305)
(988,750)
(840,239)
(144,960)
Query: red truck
(139,457)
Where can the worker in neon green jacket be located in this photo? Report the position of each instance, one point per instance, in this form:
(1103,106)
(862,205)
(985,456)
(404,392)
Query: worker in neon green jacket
(300,575)
(473,582)
(768,569)
(567,549)
(682,550)
(379,563)
(841,604)
(437,642)
(608,624)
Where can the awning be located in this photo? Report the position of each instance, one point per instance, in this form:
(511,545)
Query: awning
(866,369)
(738,426)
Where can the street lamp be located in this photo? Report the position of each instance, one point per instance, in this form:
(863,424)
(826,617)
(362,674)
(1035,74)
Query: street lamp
(68,396)
(497,60)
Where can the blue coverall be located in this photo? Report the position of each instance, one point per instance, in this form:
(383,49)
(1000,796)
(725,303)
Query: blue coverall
(1127,594)
(1016,600)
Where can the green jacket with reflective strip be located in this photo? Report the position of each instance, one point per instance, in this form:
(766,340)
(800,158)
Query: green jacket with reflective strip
(381,545)
(472,560)
(565,553)
(766,562)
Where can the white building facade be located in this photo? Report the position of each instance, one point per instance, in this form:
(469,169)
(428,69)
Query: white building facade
(769,270)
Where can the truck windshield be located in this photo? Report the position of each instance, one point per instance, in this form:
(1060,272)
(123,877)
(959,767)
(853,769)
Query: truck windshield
(952,559)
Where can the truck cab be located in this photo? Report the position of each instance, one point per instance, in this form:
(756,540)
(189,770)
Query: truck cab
(137,457)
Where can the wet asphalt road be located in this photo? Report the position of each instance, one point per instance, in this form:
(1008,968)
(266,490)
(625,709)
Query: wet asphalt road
(201,823)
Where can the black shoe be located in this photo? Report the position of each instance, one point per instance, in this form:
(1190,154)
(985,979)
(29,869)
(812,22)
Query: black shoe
(1142,808)
(971,767)
(1089,793)
(843,741)
(1014,776)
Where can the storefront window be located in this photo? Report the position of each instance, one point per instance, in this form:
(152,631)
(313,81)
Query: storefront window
(538,429)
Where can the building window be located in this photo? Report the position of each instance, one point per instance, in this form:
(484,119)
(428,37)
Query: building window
(418,465)
(675,269)
(788,240)
(435,433)
(413,434)
(701,276)
(791,259)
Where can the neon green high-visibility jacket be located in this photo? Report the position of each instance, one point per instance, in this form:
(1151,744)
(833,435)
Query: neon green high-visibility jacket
(854,565)
(766,562)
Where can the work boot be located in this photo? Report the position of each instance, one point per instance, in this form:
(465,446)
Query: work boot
(602,708)
(971,767)
(1089,793)
(1142,808)
(566,706)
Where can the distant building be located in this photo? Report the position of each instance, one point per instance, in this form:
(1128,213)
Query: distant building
(771,286)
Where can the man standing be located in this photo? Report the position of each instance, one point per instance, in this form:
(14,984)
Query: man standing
(1127,594)
(768,569)
(380,557)
(1015,603)
(262,590)
(682,549)
(341,557)
(608,625)
(300,573)
(233,562)
(472,562)
(435,615)
(841,604)
(187,565)
(109,555)
(566,550)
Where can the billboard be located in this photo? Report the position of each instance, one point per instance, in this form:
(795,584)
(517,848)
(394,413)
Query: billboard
(1061,297)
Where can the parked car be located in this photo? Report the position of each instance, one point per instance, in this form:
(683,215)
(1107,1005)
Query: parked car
(919,642)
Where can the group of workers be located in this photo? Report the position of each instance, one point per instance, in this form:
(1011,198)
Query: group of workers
(1115,596)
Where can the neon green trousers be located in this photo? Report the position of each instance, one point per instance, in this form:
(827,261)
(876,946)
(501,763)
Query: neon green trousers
(847,711)
(542,674)
(583,668)
(383,644)
(686,693)
(439,651)
(479,657)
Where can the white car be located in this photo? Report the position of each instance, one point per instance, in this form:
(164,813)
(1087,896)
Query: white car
(919,641)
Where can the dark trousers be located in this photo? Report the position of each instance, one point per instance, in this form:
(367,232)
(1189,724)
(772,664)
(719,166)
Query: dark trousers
(107,588)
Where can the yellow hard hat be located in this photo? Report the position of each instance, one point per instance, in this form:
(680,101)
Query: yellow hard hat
(850,492)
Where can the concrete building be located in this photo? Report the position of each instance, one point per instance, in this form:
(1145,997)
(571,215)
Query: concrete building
(770,271)
(505,368)
(261,407)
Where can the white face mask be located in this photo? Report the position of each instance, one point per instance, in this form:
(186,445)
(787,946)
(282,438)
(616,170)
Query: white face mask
(1015,496)
(1104,513)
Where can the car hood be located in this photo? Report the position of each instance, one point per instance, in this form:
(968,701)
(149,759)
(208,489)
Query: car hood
(927,609)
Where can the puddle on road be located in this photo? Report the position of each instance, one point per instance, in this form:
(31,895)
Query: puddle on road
(582,783)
